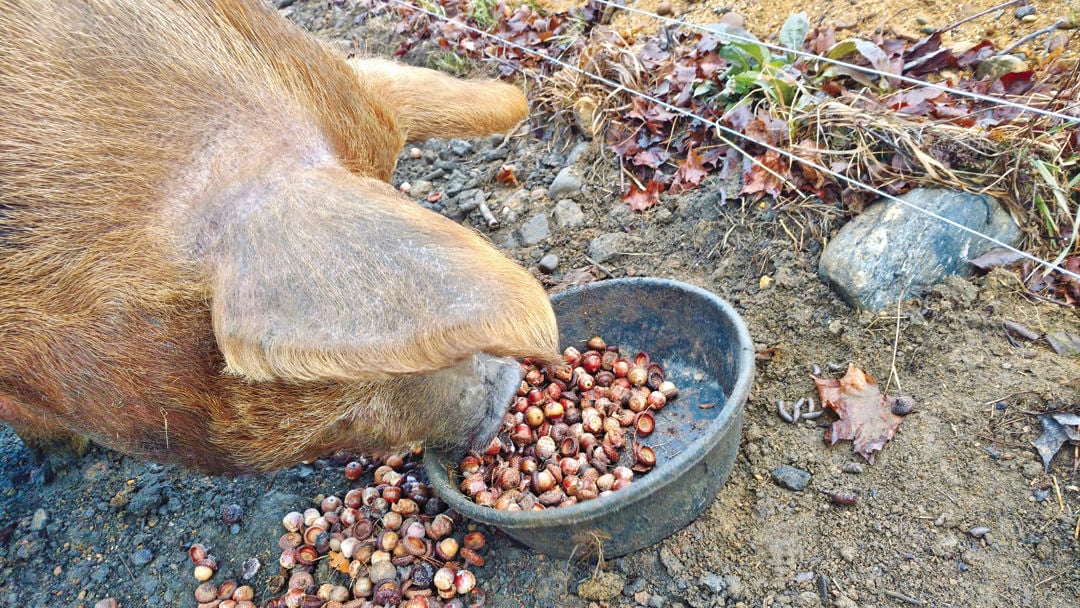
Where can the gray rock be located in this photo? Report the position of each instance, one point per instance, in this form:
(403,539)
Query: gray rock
(1024,11)
(892,249)
(141,557)
(579,150)
(997,66)
(568,214)
(607,246)
(671,562)
(548,264)
(37,523)
(713,582)
(734,587)
(566,183)
(421,188)
(534,230)
(601,586)
(787,476)
(147,499)
(461,147)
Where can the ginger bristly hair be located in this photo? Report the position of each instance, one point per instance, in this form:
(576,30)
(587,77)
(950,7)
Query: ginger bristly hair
(200,258)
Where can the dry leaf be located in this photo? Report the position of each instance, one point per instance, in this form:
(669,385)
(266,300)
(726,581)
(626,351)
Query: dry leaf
(640,200)
(866,416)
(339,562)
(506,175)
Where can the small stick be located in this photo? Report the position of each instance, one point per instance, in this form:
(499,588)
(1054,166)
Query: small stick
(896,595)
(992,9)
(489,217)
(1046,30)
(600,267)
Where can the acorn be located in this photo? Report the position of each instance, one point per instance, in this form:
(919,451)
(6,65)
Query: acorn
(571,355)
(447,549)
(443,579)
(644,424)
(330,504)
(206,592)
(301,580)
(353,470)
(293,521)
(203,573)
(464,582)
(226,590)
(475,541)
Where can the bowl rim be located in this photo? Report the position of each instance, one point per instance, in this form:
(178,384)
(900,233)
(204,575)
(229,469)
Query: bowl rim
(585,511)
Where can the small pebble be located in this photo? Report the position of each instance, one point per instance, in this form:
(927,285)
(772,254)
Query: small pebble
(663,9)
(109,602)
(787,476)
(904,405)
(1024,11)
(41,517)
(250,569)
(978,531)
(548,264)
(415,153)
(853,468)
(141,557)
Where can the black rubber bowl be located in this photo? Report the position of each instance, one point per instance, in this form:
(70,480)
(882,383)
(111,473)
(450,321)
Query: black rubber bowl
(706,351)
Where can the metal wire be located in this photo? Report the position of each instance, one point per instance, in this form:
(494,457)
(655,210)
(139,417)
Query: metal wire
(720,127)
(852,66)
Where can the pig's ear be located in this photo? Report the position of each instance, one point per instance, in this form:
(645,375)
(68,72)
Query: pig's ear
(339,277)
(428,103)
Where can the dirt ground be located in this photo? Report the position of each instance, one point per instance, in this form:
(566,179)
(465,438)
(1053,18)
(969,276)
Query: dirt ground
(108,526)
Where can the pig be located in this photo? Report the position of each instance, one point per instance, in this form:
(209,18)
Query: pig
(202,260)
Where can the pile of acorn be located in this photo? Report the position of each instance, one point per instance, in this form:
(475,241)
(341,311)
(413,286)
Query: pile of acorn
(565,437)
(391,543)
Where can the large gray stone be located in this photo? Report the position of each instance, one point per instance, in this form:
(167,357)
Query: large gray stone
(566,183)
(534,230)
(892,249)
(568,214)
(608,245)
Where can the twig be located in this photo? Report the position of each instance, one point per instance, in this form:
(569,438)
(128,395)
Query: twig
(1032,35)
(1057,492)
(489,217)
(600,267)
(896,595)
(992,9)
(895,345)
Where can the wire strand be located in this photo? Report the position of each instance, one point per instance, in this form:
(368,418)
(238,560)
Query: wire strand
(844,64)
(730,131)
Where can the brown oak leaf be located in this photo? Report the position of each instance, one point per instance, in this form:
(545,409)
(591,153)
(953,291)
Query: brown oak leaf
(640,200)
(866,416)
(339,562)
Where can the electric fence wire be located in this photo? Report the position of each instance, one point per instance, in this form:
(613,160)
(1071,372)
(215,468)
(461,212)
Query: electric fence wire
(732,132)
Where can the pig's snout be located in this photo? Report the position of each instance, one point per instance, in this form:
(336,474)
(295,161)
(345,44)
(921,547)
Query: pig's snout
(485,386)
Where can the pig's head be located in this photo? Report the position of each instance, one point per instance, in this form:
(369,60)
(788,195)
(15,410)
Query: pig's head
(203,261)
